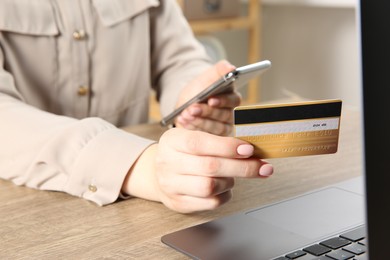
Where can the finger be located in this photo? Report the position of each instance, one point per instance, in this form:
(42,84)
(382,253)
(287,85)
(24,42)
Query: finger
(205,125)
(201,143)
(183,123)
(189,204)
(211,166)
(223,67)
(191,112)
(205,111)
(216,121)
(195,185)
(215,72)
(230,100)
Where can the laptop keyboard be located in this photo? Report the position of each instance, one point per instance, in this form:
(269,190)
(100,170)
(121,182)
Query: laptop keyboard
(349,245)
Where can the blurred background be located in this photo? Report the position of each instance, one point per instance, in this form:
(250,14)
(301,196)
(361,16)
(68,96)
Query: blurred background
(312,44)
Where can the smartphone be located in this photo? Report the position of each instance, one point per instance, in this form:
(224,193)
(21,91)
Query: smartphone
(234,79)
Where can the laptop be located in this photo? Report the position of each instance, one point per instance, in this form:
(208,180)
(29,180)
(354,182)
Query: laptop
(357,226)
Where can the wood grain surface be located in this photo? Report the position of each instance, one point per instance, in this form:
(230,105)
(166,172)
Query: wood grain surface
(53,225)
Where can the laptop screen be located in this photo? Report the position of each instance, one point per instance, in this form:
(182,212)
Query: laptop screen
(375,47)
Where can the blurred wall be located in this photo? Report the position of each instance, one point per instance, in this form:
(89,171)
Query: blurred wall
(313,49)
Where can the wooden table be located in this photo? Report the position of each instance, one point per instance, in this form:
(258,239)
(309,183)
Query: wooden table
(52,225)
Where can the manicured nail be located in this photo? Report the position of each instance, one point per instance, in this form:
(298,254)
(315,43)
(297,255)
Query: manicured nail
(180,120)
(214,102)
(266,170)
(245,149)
(195,111)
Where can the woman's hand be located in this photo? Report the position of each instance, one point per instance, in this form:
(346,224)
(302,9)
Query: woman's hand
(193,171)
(214,116)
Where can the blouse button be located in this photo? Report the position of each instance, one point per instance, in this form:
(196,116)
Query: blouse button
(92,188)
(82,91)
(79,35)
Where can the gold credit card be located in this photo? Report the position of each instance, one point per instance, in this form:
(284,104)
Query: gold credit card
(287,130)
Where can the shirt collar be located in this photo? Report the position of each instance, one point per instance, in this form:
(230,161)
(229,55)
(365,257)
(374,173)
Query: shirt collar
(115,11)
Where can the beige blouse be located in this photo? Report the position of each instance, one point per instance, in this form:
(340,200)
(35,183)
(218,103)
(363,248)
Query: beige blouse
(73,71)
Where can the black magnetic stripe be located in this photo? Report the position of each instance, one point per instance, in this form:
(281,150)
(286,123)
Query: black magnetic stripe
(274,114)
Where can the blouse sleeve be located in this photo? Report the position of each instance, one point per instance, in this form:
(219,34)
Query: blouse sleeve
(88,158)
(177,56)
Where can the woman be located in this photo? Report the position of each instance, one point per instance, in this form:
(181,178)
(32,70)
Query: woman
(73,72)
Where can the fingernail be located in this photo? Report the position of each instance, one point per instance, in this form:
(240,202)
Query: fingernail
(214,102)
(188,117)
(180,120)
(266,170)
(195,111)
(245,149)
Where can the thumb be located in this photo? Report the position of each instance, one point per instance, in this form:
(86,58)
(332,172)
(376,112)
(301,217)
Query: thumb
(222,67)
